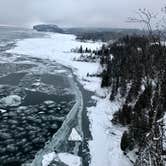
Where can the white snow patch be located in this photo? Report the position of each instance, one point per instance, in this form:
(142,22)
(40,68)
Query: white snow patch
(60,71)
(105,145)
(49,102)
(69,159)
(12,100)
(48,158)
(74,136)
(66,158)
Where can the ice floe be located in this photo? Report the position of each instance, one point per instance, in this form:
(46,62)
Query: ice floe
(12,100)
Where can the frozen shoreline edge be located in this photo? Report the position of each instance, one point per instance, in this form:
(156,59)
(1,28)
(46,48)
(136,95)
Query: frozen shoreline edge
(64,131)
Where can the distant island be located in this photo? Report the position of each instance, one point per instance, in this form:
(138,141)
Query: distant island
(48,28)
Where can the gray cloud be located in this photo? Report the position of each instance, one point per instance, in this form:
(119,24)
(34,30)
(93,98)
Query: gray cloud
(91,13)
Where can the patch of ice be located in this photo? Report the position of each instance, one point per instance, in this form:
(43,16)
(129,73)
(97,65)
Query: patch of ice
(49,102)
(36,84)
(3,111)
(74,136)
(22,108)
(12,100)
(60,71)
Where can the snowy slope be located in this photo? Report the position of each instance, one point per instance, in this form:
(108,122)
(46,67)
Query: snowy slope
(105,146)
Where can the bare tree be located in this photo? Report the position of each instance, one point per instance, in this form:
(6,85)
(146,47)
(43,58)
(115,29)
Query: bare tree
(145,17)
(161,26)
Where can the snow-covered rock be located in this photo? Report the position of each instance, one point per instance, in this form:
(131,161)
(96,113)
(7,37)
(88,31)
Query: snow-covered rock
(74,136)
(12,100)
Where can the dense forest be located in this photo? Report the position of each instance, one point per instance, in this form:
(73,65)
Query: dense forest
(106,35)
(135,69)
(134,66)
(102,36)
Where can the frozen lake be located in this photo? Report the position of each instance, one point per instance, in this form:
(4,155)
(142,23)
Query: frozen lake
(35,97)
(43,106)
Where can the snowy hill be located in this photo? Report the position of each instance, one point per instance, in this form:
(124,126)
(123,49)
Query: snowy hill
(48,28)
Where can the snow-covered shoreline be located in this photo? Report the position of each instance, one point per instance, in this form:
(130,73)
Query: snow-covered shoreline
(105,145)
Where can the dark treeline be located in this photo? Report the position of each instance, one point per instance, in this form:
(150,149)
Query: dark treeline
(95,36)
(105,35)
(135,68)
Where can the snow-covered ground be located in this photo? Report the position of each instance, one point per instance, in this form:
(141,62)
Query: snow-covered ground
(66,158)
(70,160)
(105,146)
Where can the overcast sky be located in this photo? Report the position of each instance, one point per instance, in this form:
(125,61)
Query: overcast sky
(82,13)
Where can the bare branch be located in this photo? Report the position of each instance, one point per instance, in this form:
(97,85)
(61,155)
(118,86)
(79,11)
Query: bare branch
(145,17)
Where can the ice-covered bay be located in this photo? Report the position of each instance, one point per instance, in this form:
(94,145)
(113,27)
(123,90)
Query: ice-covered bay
(104,147)
(58,47)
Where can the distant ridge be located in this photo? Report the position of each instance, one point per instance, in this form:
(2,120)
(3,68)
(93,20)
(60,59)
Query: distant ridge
(48,28)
